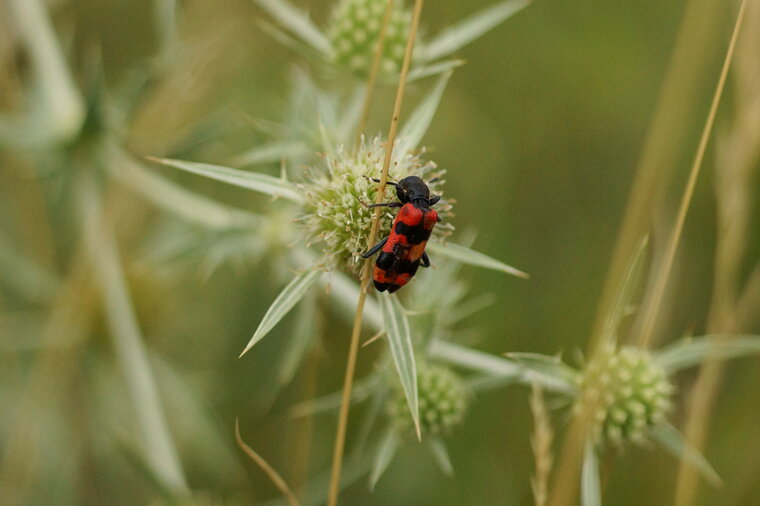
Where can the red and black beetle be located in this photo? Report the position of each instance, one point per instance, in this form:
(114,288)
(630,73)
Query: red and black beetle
(403,251)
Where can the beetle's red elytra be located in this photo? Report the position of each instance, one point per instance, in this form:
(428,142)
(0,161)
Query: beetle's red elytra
(403,251)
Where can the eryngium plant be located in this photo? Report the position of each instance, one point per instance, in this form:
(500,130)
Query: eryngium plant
(443,401)
(629,391)
(354,30)
(331,201)
(350,39)
(338,219)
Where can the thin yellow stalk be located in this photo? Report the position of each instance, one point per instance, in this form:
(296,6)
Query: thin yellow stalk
(373,75)
(340,438)
(665,137)
(264,465)
(695,37)
(650,315)
(726,314)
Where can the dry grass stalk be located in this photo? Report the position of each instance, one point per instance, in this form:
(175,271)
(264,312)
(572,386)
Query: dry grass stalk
(658,291)
(264,465)
(377,57)
(340,438)
(686,69)
(737,154)
(541,442)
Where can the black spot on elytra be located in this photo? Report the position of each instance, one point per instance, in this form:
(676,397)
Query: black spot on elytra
(385,260)
(415,234)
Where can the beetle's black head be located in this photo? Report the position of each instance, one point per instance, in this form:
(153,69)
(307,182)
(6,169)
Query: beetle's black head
(413,189)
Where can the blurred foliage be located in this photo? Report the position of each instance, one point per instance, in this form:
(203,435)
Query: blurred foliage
(540,134)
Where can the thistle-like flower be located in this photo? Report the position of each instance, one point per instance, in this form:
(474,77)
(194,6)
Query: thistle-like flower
(354,30)
(442,401)
(337,216)
(350,39)
(629,392)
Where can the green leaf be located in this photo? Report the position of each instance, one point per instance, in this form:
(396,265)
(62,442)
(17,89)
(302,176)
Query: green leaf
(270,153)
(304,334)
(399,338)
(471,257)
(174,198)
(298,23)
(673,441)
(196,426)
(250,180)
(624,297)
(22,274)
(441,455)
(57,109)
(692,351)
(415,127)
(284,302)
(286,40)
(470,28)
(591,492)
(549,370)
(345,291)
(361,390)
(128,343)
(385,452)
(474,360)
(433,69)
(485,382)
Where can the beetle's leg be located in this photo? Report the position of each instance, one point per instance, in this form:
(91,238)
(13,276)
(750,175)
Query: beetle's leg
(382,204)
(386,204)
(425,260)
(434,200)
(374,249)
(436,178)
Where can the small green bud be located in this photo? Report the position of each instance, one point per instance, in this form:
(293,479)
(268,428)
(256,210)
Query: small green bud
(442,401)
(629,392)
(354,30)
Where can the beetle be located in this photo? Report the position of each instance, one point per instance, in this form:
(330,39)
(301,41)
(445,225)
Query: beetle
(403,251)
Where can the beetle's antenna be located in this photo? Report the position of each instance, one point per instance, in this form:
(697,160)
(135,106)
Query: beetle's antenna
(377,181)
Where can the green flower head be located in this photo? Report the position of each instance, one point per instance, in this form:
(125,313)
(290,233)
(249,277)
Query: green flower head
(442,397)
(629,391)
(354,30)
(337,216)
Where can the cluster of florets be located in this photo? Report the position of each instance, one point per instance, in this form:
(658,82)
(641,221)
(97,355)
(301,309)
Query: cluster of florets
(629,392)
(354,31)
(442,398)
(337,216)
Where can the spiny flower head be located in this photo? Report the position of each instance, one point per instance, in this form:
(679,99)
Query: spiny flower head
(336,201)
(629,391)
(442,397)
(354,30)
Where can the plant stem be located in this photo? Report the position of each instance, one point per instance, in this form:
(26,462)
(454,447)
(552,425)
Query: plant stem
(340,438)
(157,445)
(733,183)
(658,157)
(273,475)
(650,315)
(373,75)
(661,150)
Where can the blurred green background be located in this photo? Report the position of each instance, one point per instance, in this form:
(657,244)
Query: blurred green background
(540,132)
